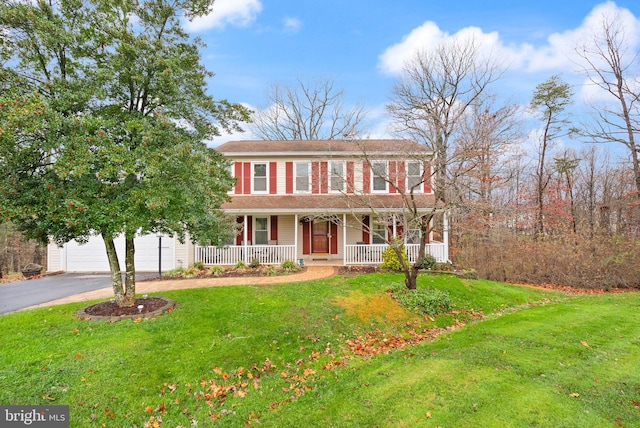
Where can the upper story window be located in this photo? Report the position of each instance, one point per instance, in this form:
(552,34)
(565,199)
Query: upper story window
(414,176)
(336,177)
(379,171)
(259,182)
(302,176)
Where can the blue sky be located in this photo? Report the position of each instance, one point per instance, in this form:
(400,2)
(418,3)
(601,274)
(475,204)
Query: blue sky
(362,44)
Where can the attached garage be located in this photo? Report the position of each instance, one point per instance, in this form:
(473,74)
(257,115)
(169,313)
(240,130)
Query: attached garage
(92,256)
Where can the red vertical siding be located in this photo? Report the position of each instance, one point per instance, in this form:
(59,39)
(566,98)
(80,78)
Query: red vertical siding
(324,177)
(237,172)
(249,229)
(274,228)
(289,177)
(393,177)
(246,178)
(427,177)
(365,228)
(315,177)
(350,179)
(366,177)
(273,178)
(334,238)
(402,176)
(306,237)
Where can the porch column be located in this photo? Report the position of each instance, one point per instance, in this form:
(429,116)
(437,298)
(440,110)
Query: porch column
(295,238)
(344,239)
(245,229)
(445,235)
(395,231)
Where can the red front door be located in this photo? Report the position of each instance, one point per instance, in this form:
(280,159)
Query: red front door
(320,237)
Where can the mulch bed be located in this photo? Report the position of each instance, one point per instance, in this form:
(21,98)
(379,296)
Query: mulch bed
(111,308)
(151,307)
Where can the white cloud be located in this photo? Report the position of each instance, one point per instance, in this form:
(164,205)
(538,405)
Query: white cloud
(239,13)
(292,25)
(556,55)
(429,36)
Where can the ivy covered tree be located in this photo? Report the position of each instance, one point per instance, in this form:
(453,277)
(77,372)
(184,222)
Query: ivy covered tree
(104,114)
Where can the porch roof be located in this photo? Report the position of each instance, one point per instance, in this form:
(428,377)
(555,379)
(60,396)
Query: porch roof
(338,203)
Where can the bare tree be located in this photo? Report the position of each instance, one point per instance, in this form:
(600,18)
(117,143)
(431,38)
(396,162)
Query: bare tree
(487,135)
(550,100)
(437,89)
(612,65)
(307,110)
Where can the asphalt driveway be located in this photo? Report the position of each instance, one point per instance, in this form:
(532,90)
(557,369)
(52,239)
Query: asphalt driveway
(23,294)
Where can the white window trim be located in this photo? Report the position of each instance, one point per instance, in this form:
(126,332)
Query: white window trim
(420,188)
(295,177)
(253,178)
(343,177)
(255,229)
(386,178)
(375,235)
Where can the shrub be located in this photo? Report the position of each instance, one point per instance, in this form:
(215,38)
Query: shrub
(192,272)
(240,265)
(198,265)
(429,262)
(216,270)
(255,263)
(270,270)
(390,260)
(175,273)
(425,301)
(290,266)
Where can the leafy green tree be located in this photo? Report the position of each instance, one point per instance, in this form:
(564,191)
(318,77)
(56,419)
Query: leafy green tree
(104,115)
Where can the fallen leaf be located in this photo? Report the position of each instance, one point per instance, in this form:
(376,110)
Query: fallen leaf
(575,394)
(583,343)
(428,415)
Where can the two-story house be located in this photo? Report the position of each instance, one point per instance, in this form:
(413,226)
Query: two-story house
(334,200)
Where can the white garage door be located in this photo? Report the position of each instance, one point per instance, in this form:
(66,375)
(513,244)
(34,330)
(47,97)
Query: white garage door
(92,256)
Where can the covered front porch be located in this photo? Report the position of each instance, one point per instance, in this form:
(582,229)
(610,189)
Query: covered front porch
(337,239)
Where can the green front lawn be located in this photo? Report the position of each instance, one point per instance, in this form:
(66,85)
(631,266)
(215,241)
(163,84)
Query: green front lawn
(279,356)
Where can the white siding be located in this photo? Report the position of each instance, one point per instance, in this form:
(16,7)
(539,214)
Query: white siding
(92,256)
(54,258)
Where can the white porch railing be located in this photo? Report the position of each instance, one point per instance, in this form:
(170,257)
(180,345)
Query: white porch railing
(275,254)
(232,254)
(372,254)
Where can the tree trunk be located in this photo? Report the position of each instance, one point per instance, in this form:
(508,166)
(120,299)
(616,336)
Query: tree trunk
(130,273)
(114,266)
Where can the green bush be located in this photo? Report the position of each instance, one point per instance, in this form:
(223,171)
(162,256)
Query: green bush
(290,266)
(425,301)
(429,262)
(240,265)
(175,273)
(270,270)
(390,260)
(255,263)
(216,270)
(198,265)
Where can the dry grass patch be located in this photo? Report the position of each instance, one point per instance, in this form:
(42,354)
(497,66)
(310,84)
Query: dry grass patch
(378,307)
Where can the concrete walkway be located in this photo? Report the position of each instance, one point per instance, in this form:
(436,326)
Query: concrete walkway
(144,287)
